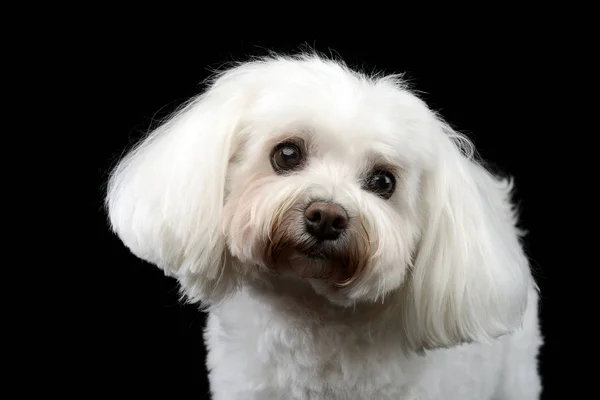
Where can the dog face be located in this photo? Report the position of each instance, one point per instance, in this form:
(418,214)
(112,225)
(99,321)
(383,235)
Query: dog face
(326,187)
(302,168)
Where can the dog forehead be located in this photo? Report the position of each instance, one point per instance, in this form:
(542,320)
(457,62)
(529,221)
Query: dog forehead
(340,112)
(341,103)
(350,127)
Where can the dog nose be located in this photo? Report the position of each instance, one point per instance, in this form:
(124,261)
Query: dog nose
(325,221)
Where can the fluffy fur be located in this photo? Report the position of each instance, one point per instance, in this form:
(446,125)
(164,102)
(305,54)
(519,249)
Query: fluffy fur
(427,295)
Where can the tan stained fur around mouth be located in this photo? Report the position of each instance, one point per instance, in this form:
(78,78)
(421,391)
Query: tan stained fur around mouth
(286,241)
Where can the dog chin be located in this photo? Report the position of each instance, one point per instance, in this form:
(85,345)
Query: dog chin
(322,265)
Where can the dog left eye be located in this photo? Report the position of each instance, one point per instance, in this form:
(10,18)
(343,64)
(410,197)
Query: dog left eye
(382,183)
(286,157)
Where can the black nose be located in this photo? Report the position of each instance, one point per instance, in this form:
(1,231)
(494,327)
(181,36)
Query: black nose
(325,221)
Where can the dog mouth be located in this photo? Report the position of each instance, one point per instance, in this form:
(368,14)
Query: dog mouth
(337,263)
(318,256)
(319,251)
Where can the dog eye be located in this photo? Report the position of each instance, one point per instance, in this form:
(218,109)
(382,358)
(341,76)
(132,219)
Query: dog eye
(382,183)
(286,157)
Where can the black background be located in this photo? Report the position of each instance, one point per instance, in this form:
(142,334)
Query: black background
(493,88)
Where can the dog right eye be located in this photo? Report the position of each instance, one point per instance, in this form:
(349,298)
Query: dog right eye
(286,157)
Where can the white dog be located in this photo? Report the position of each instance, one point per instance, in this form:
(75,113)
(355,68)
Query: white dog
(343,239)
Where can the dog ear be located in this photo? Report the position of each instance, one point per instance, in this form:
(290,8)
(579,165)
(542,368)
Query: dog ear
(470,277)
(165,197)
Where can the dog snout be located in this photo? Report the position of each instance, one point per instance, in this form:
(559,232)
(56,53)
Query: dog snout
(325,221)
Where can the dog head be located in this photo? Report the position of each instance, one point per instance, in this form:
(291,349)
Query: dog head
(300,167)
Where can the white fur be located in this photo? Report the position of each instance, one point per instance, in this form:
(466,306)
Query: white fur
(441,304)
